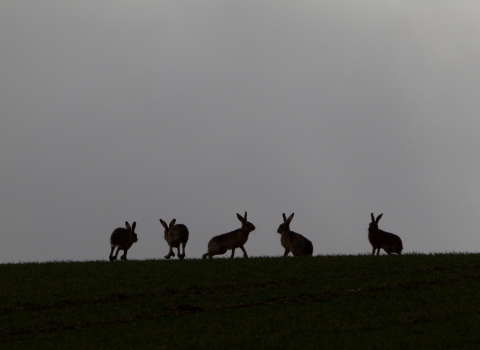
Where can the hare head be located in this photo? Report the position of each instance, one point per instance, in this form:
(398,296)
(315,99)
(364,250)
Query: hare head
(168,228)
(374,224)
(131,229)
(245,224)
(285,227)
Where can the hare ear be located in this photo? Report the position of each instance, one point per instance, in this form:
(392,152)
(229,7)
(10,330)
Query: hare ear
(127,226)
(284,218)
(379,217)
(172,223)
(373,217)
(240,218)
(133,226)
(164,224)
(245,217)
(290,218)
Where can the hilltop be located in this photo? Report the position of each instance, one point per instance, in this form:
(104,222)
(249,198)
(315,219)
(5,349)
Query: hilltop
(414,300)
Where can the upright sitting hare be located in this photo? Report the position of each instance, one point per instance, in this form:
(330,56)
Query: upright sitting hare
(175,235)
(380,239)
(122,239)
(292,241)
(231,240)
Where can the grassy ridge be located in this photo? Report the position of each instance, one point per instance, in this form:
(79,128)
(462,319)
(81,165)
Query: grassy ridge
(325,301)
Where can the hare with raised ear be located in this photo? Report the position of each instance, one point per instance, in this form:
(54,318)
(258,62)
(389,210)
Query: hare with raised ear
(292,241)
(175,235)
(385,240)
(122,239)
(231,240)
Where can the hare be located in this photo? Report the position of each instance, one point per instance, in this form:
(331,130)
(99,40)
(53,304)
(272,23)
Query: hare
(231,240)
(380,239)
(175,235)
(292,241)
(123,238)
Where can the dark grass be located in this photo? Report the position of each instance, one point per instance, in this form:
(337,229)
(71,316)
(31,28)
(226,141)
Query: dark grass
(331,302)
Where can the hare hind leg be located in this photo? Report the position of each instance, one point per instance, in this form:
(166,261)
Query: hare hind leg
(394,248)
(213,252)
(116,253)
(178,252)
(124,256)
(183,255)
(398,249)
(170,253)
(111,257)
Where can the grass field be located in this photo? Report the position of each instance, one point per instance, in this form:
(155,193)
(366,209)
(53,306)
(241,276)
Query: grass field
(326,302)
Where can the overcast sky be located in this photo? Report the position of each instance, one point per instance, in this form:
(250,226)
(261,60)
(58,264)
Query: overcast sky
(114,111)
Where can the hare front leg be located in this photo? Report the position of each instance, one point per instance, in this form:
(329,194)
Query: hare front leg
(213,252)
(244,252)
(287,251)
(233,253)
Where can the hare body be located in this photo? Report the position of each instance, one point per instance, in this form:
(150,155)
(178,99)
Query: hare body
(175,235)
(231,240)
(122,239)
(379,239)
(293,242)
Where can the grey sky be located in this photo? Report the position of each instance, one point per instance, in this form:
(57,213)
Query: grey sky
(197,110)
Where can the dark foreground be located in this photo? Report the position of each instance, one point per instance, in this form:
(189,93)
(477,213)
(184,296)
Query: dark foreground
(326,302)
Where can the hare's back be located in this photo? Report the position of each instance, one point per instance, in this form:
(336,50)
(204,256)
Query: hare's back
(394,240)
(226,240)
(388,238)
(301,245)
(119,236)
(180,233)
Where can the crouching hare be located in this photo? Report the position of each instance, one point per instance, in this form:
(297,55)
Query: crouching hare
(231,240)
(175,235)
(292,241)
(123,239)
(380,239)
